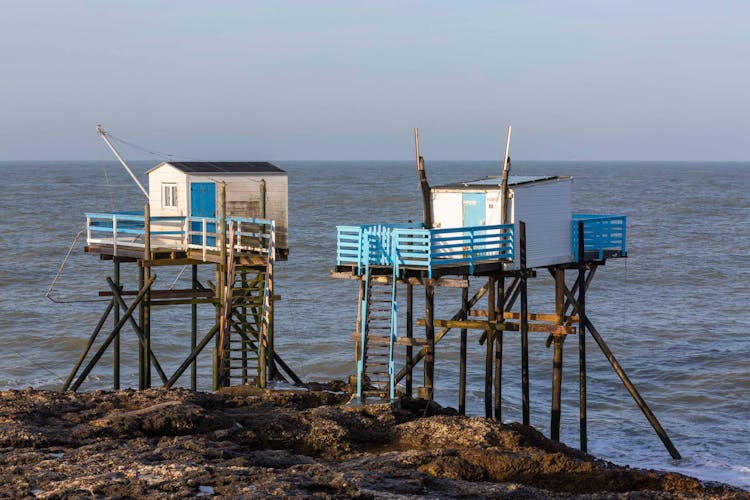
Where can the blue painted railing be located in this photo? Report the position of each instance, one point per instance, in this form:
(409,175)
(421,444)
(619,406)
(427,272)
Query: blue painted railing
(412,246)
(127,229)
(601,233)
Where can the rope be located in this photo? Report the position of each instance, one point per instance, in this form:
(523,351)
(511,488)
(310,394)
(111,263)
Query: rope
(48,294)
(26,359)
(109,184)
(171,287)
(146,150)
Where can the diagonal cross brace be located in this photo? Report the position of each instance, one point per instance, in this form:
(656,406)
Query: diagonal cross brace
(89,345)
(189,360)
(626,380)
(438,337)
(90,366)
(116,295)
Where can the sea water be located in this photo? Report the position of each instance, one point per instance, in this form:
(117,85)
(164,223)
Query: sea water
(676,312)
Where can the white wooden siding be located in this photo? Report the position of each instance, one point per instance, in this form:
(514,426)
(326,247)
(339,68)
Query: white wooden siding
(444,209)
(170,175)
(544,206)
(243,197)
(167,174)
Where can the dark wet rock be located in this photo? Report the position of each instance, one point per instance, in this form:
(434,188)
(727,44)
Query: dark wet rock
(247,442)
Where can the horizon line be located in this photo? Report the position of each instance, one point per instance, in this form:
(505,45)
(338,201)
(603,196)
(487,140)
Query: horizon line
(143,160)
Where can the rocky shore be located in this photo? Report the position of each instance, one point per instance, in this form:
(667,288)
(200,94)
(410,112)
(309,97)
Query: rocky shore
(251,443)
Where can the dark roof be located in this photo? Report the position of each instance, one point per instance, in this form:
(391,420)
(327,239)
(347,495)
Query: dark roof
(226,167)
(494,181)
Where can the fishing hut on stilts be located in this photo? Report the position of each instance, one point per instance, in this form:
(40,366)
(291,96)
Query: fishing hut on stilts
(502,232)
(227,218)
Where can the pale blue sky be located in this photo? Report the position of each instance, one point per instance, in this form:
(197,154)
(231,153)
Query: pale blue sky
(349,80)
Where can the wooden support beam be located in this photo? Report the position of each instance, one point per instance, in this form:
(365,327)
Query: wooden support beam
(100,352)
(171,261)
(177,302)
(524,325)
(467,324)
(116,318)
(582,417)
(384,339)
(626,380)
(411,280)
(429,333)
(191,357)
(138,331)
(146,304)
(194,285)
(139,326)
(511,294)
(164,294)
(89,345)
(499,351)
(409,334)
(462,354)
(557,357)
(511,326)
(489,347)
(442,333)
(552,318)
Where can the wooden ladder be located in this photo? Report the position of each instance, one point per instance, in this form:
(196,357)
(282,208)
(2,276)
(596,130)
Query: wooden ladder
(376,353)
(244,323)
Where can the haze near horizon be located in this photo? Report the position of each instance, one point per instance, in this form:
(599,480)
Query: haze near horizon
(336,80)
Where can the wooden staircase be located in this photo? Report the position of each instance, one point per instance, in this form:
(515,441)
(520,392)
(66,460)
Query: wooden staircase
(244,324)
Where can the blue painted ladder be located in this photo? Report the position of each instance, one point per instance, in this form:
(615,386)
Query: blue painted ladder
(378,332)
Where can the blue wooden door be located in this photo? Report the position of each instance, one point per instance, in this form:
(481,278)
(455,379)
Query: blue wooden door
(202,204)
(474,213)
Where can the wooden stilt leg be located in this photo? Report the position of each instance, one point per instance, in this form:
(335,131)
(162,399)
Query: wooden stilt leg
(409,334)
(557,359)
(462,354)
(526,410)
(147,299)
(499,352)
(582,417)
(490,345)
(429,359)
(141,322)
(194,330)
(116,318)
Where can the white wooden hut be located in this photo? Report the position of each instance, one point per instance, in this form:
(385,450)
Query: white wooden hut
(188,189)
(543,203)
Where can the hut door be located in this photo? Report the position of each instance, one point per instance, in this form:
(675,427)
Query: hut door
(203,204)
(474,212)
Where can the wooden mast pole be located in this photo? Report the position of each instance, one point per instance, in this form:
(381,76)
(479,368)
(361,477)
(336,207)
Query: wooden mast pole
(504,182)
(423,184)
(498,336)
(429,290)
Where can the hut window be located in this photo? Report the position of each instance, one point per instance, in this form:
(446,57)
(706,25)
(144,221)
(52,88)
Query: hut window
(169,195)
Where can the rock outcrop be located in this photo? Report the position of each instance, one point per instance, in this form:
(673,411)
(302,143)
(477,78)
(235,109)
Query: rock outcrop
(251,443)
